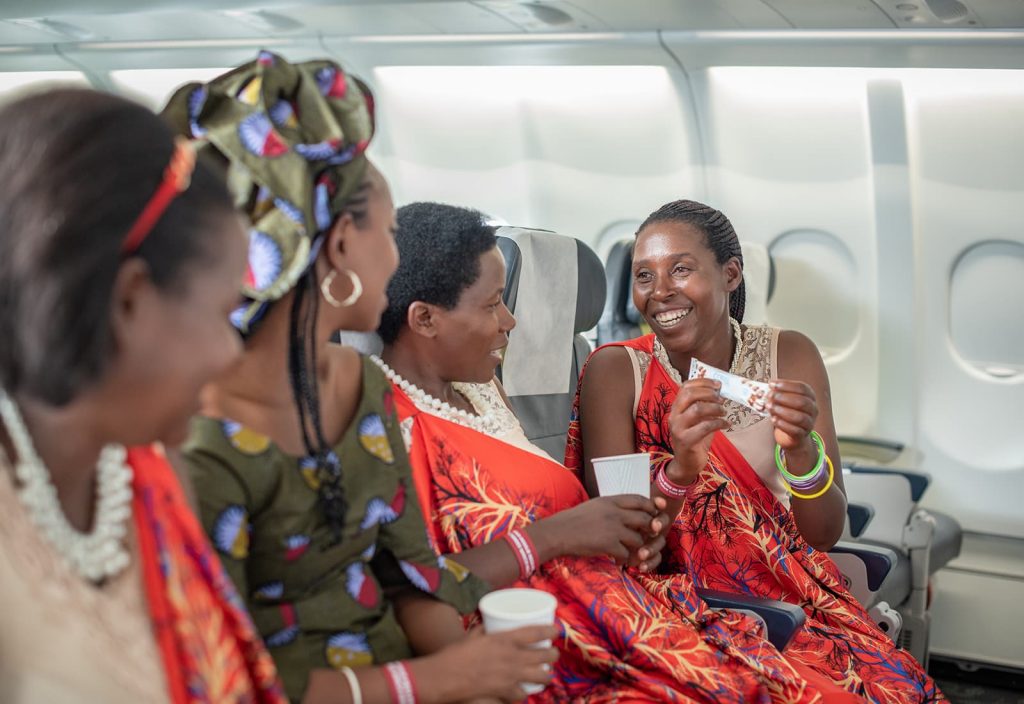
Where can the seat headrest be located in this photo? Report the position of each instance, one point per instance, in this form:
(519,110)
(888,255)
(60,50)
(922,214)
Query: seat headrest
(591,287)
(555,287)
(758,278)
(362,342)
(620,275)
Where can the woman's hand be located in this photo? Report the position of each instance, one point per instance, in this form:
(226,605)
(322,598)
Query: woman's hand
(697,412)
(489,665)
(793,408)
(648,557)
(629,528)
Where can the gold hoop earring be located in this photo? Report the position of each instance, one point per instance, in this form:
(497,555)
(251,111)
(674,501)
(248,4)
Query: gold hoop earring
(357,288)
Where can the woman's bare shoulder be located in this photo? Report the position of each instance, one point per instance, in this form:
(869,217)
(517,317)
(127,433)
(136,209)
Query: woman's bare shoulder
(799,358)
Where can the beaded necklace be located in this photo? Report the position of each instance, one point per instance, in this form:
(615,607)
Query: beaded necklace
(661,354)
(486,423)
(96,555)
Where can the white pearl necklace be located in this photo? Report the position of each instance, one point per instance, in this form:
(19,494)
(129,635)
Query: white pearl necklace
(662,354)
(486,423)
(96,555)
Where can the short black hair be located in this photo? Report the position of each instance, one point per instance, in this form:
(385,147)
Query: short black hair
(78,167)
(719,236)
(439,249)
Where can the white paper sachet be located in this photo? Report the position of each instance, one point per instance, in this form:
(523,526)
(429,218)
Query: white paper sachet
(752,394)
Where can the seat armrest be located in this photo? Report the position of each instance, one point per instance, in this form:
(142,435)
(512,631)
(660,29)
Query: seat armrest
(860,516)
(876,448)
(878,561)
(783,620)
(919,481)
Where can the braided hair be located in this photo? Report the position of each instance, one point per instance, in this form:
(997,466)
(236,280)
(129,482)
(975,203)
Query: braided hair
(302,375)
(719,236)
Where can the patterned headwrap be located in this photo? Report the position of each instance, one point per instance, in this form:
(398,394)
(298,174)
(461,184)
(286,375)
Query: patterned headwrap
(294,137)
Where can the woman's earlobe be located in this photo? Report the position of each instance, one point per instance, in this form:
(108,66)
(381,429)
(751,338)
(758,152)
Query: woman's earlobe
(334,246)
(734,273)
(421,319)
(129,286)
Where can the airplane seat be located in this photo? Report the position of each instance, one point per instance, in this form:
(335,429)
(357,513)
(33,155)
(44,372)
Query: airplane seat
(361,342)
(620,319)
(925,541)
(555,286)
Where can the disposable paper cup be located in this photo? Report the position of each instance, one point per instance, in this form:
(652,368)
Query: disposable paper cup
(623,474)
(508,609)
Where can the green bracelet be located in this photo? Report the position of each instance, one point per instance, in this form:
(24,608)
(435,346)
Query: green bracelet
(818,466)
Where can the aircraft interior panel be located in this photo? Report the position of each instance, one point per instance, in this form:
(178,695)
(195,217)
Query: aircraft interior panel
(971,262)
(558,145)
(796,142)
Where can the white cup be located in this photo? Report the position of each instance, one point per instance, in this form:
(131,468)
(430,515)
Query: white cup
(623,474)
(508,609)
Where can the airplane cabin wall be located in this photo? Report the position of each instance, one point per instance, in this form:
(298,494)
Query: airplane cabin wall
(568,136)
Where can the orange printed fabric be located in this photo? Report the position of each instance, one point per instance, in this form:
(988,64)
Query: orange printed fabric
(625,636)
(732,534)
(210,650)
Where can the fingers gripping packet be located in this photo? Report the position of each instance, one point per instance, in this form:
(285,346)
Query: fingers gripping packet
(752,394)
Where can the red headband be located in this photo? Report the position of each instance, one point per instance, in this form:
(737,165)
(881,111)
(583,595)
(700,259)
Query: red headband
(177,177)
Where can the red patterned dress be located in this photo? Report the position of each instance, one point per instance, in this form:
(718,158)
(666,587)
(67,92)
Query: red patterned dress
(734,534)
(625,636)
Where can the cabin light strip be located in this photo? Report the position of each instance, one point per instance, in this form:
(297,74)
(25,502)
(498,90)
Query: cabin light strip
(915,36)
(188,44)
(525,37)
(874,35)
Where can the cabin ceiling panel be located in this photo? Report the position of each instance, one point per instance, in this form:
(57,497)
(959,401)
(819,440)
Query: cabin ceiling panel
(831,14)
(999,13)
(49,8)
(149,26)
(660,14)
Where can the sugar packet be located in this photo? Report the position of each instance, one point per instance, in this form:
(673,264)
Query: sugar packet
(746,392)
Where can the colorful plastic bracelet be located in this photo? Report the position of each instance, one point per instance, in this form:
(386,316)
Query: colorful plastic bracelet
(524,550)
(353,685)
(668,487)
(824,489)
(400,683)
(818,466)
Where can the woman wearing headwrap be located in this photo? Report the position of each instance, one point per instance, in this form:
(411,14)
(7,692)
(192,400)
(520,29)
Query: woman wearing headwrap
(119,255)
(297,459)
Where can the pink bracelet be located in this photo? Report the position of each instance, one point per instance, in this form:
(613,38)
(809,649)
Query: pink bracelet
(525,552)
(668,487)
(400,683)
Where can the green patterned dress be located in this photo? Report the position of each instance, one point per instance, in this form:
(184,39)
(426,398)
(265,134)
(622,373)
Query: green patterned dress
(318,602)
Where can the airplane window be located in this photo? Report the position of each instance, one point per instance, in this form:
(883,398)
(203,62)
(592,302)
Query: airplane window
(816,261)
(153,86)
(986,307)
(15,83)
(616,231)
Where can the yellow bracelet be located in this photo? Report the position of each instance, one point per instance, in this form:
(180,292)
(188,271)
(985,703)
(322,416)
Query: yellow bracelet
(823,490)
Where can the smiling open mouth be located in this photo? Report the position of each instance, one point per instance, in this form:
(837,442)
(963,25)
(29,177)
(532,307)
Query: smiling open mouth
(671,317)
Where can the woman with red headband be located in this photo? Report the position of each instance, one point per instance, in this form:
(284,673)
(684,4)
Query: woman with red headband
(118,261)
